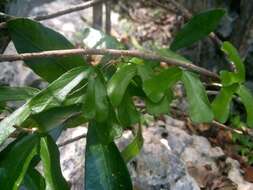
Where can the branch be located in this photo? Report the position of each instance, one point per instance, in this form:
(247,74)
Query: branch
(62,12)
(69,10)
(243,131)
(132,53)
(72,140)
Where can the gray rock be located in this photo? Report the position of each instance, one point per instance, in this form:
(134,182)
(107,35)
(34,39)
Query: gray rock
(158,166)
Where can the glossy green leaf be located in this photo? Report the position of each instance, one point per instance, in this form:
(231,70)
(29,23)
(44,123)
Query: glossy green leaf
(234,57)
(197,28)
(50,158)
(199,106)
(104,166)
(247,100)
(15,160)
(229,78)
(96,103)
(119,82)
(134,148)
(145,72)
(30,36)
(156,86)
(51,118)
(161,107)
(16,93)
(127,113)
(34,180)
(53,96)
(221,103)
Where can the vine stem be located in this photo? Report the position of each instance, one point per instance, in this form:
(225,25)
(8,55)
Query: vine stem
(115,52)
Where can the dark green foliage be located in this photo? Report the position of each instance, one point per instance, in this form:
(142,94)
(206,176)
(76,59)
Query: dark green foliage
(31,36)
(50,158)
(104,166)
(197,28)
(109,100)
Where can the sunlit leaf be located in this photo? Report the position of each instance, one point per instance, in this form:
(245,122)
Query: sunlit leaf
(221,103)
(161,107)
(119,82)
(199,106)
(127,113)
(53,96)
(229,78)
(96,103)
(134,148)
(156,86)
(247,100)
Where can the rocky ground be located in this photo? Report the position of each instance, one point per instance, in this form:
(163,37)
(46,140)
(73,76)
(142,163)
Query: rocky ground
(171,158)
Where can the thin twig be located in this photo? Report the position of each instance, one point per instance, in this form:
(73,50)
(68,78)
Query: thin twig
(72,140)
(215,123)
(132,53)
(72,9)
(69,10)
(218,124)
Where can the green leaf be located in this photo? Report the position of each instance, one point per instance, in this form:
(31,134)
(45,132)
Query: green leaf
(50,158)
(229,78)
(221,103)
(247,100)
(134,147)
(53,96)
(199,106)
(161,107)
(96,103)
(104,167)
(235,58)
(127,113)
(144,71)
(156,87)
(30,36)
(75,121)
(197,28)
(15,160)
(51,118)
(34,180)
(16,93)
(119,82)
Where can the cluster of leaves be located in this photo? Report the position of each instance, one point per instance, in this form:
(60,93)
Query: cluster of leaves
(103,97)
